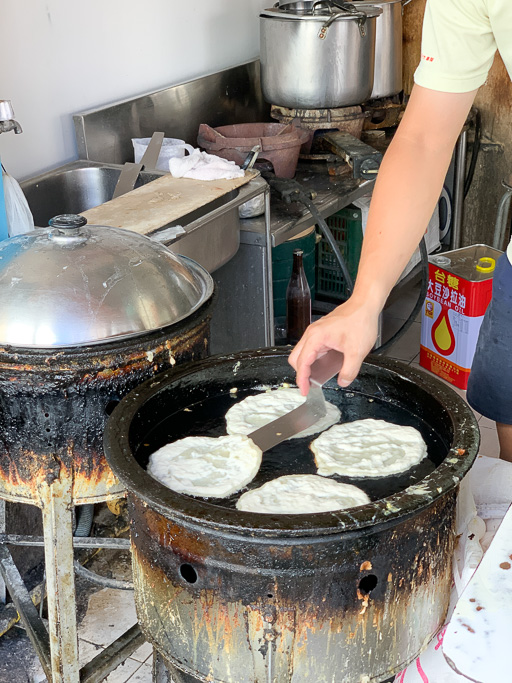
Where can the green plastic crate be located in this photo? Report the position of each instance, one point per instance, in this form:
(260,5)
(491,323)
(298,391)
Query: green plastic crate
(347,229)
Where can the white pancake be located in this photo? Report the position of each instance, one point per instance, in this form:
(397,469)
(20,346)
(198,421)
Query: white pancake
(206,466)
(368,448)
(258,410)
(299,494)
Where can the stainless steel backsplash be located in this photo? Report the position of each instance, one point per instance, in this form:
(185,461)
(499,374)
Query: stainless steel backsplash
(224,98)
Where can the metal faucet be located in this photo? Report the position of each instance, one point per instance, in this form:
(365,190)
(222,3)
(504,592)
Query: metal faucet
(7,121)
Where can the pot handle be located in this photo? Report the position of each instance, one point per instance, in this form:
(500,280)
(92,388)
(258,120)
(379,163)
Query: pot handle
(344,7)
(404,3)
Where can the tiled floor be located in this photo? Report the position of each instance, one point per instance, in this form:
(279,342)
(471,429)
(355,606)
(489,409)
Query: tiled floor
(110,612)
(108,615)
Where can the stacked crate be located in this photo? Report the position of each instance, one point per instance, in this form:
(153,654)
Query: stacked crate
(347,230)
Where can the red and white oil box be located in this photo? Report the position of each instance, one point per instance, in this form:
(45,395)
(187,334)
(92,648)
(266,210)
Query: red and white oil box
(459,291)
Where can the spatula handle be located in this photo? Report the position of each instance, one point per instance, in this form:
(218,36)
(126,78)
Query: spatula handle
(326,367)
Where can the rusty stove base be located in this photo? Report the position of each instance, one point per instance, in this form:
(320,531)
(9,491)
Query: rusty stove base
(54,405)
(164,672)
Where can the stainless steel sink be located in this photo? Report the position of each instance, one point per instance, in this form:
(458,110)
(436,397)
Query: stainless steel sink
(73,188)
(212,233)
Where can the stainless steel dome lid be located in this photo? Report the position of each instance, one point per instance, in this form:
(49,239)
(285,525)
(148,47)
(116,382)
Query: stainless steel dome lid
(73,285)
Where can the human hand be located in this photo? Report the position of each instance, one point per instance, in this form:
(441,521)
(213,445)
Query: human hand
(351,328)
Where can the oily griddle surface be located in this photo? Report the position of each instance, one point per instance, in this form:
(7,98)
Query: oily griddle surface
(207,418)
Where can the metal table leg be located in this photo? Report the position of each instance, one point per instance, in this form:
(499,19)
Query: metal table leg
(58,652)
(34,626)
(500,227)
(57,509)
(268,293)
(164,673)
(160,672)
(458,198)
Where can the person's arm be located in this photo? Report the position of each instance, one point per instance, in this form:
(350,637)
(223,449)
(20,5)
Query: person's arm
(407,189)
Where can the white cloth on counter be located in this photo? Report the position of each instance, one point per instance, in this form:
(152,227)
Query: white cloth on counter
(203,166)
(485,495)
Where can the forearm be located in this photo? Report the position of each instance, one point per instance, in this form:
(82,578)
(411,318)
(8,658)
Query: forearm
(402,204)
(405,195)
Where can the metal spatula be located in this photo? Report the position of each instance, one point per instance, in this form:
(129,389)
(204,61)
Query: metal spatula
(306,414)
(130,171)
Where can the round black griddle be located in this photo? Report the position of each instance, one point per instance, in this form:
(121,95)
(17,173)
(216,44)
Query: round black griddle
(207,418)
(192,400)
(310,576)
(202,413)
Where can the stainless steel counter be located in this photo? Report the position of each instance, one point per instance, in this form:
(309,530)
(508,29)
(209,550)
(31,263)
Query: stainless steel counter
(244,316)
(288,220)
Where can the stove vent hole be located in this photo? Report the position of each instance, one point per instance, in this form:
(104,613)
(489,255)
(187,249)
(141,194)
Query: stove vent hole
(367,584)
(188,573)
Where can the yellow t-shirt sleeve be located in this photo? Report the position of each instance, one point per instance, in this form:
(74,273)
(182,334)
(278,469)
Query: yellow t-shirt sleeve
(457,46)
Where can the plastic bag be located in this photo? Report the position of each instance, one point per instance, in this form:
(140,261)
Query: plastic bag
(19,216)
(252,207)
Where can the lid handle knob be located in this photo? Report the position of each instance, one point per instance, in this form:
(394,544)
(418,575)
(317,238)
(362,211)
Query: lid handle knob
(68,223)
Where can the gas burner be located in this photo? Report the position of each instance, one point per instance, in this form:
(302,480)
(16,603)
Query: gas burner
(345,119)
(335,139)
(383,113)
(339,153)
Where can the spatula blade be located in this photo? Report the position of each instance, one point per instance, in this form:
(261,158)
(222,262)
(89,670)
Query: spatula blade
(306,414)
(293,422)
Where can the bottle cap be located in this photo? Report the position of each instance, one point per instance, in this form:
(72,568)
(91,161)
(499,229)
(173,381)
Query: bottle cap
(486,264)
(442,261)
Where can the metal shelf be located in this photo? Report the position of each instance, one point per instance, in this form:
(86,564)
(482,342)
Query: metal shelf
(288,220)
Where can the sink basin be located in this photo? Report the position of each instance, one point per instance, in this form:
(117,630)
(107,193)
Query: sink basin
(74,188)
(212,233)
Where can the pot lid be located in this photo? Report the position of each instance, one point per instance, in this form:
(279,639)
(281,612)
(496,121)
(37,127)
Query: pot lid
(72,284)
(319,11)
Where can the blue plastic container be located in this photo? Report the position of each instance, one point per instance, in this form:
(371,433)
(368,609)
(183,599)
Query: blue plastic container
(4,232)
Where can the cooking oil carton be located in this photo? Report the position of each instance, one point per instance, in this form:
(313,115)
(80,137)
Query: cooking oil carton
(459,291)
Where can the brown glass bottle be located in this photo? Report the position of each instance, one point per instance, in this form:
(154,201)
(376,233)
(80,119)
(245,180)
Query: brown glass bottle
(298,301)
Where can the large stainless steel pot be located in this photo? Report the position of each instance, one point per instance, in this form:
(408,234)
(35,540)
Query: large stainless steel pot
(339,597)
(318,57)
(88,313)
(387,78)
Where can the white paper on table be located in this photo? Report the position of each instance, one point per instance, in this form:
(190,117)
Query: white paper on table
(478,637)
(490,494)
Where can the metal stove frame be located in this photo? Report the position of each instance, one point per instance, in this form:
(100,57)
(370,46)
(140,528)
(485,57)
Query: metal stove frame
(57,647)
